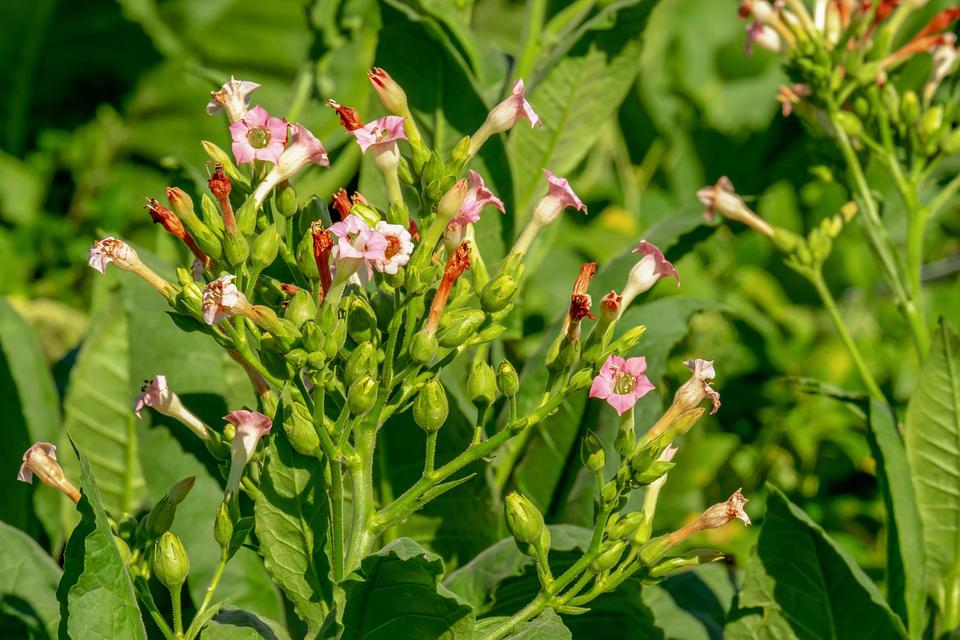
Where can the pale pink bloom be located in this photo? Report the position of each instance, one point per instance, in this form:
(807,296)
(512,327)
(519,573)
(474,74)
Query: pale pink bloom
(694,390)
(668,453)
(41,460)
(945,55)
(382,131)
(356,240)
(723,512)
(621,382)
(476,199)
(108,250)
(763,36)
(505,115)
(561,190)
(258,136)
(652,267)
(220,298)
(155,393)
(233,97)
(304,148)
(398,249)
(251,426)
(721,198)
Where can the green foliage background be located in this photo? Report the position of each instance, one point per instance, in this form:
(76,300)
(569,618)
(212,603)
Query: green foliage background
(102,104)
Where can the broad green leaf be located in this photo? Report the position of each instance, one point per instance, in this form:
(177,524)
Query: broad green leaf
(546,626)
(237,624)
(291,524)
(96,594)
(693,605)
(98,413)
(755,625)
(31,414)
(577,96)
(28,583)
(905,558)
(802,574)
(933,449)
(621,614)
(397,594)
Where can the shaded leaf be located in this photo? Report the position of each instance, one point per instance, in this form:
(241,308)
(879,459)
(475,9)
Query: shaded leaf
(28,583)
(546,626)
(237,624)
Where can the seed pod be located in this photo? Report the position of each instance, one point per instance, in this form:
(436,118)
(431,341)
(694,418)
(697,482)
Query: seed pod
(498,293)
(361,320)
(524,520)
(508,382)
(170,562)
(423,346)
(285,199)
(362,361)
(300,309)
(608,558)
(312,337)
(265,248)
(482,384)
(431,408)
(362,395)
(459,326)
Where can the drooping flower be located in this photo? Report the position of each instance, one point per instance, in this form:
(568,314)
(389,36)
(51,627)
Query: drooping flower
(562,193)
(559,196)
(174,226)
(723,512)
(155,393)
(382,131)
(250,427)
(258,136)
(398,250)
(233,98)
(108,250)
(41,460)
(621,382)
(478,197)
(692,392)
(304,149)
(721,198)
(503,116)
(222,299)
(651,267)
(764,37)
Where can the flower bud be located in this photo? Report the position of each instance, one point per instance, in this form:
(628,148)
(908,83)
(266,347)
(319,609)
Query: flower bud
(431,408)
(629,339)
(508,382)
(609,558)
(648,473)
(687,561)
(931,122)
(362,362)
(160,518)
(626,526)
(362,395)
(300,309)
(285,198)
(850,124)
(482,384)
(223,526)
(580,380)
(211,215)
(312,336)
(498,293)
(236,249)
(170,562)
(910,108)
(265,248)
(524,520)
(459,326)
(190,300)
(423,346)
(298,426)
(593,454)
(247,216)
(305,256)
(390,93)
(361,320)
(452,200)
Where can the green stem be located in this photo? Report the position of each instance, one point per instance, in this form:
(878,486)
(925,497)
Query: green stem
(193,630)
(361,475)
(816,278)
(942,198)
(175,594)
(430,454)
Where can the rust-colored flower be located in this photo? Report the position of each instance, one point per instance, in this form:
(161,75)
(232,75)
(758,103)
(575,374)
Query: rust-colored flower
(322,245)
(169,220)
(458,262)
(349,118)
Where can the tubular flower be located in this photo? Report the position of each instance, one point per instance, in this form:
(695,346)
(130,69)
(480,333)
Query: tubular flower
(169,220)
(694,390)
(349,118)
(559,196)
(503,116)
(233,98)
(647,272)
(379,133)
(716,516)
(621,382)
(122,256)
(251,426)
(41,460)
(222,299)
(398,250)
(155,393)
(721,198)
(478,197)
(258,136)
(303,149)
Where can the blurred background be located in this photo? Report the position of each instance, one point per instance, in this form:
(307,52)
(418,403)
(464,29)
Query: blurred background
(102,104)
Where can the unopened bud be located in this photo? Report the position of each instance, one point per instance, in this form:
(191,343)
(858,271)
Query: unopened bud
(285,198)
(362,362)
(361,320)
(931,122)
(300,309)
(312,336)
(298,426)
(452,200)
(459,326)
(247,216)
(265,248)
(687,561)
(160,518)
(482,384)
(626,526)
(236,248)
(508,382)
(390,93)
(593,454)
(629,339)
(431,408)
(305,257)
(223,526)
(190,299)
(609,558)
(524,520)
(170,562)
(423,346)
(910,108)
(580,380)
(498,293)
(362,395)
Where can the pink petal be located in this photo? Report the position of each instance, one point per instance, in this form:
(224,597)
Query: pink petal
(621,403)
(602,387)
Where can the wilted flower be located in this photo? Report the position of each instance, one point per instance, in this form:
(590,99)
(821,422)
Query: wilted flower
(233,98)
(647,272)
(169,221)
(250,427)
(459,261)
(723,512)
(721,198)
(258,136)
(692,392)
(789,96)
(382,131)
(349,118)
(398,249)
(322,248)
(621,382)
(41,460)
(475,200)
(155,393)
(944,63)
(222,299)
(122,256)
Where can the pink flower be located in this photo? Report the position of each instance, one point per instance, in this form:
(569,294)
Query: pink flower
(763,36)
(356,240)
(476,199)
(41,460)
(398,249)
(668,453)
(694,390)
(621,382)
(251,426)
(258,136)
(382,131)
(233,97)
(652,267)
(220,298)
(303,149)
(154,393)
(108,250)
(561,191)
(505,115)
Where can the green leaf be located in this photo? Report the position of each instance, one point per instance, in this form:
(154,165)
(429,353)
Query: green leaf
(397,594)
(546,626)
(692,605)
(31,414)
(933,449)
(905,558)
(237,624)
(291,524)
(576,97)
(755,625)
(96,594)
(28,583)
(802,574)
(98,414)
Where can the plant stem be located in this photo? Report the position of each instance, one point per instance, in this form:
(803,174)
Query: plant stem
(192,631)
(175,594)
(942,198)
(431,453)
(816,278)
